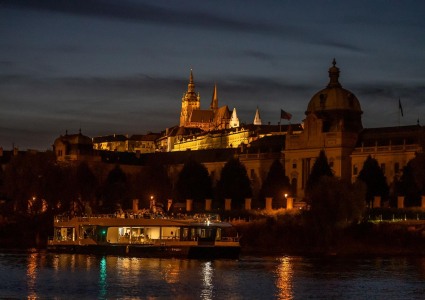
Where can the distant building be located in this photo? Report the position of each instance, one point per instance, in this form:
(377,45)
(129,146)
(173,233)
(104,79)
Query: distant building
(143,143)
(333,123)
(73,147)
(115,142)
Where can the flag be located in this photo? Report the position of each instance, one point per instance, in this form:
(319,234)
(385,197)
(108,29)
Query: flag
(400,107)
(285,115)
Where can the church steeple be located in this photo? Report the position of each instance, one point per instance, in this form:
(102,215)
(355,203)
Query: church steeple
(333,76)
(190,101)
(234,120)
(191,85)
(214,100)
(257,119)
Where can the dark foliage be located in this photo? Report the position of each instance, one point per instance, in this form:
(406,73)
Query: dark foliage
(276,185)
(151,181)
(193,182)
(373,176)
(234,183)
(320,168)
(334,205)
(115,190)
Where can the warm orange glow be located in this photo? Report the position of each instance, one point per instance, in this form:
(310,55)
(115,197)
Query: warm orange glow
(32,275)
(284,278)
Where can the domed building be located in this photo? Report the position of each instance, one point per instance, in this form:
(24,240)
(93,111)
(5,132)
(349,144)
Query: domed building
(333,123)
(338,108)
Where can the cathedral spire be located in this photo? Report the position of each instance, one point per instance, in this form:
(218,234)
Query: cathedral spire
(191,85)
(214,100)
(333,76)
(234,120)
(257,119)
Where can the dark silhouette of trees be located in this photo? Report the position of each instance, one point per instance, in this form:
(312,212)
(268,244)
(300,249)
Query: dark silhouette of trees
(234,182)
(86,185)
(34,178)
(151,181)
(335,204)
(115,190)
(276,185)
(412,182)
(320,168)
(418,170)
(193,182)
(373,176)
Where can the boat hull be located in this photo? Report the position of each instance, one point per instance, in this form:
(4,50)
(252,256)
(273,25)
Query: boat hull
(195,252)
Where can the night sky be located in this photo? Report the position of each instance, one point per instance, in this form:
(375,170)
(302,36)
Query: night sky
(122,66)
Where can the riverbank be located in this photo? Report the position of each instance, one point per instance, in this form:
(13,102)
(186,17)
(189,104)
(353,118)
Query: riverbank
(293,237)
(271,236)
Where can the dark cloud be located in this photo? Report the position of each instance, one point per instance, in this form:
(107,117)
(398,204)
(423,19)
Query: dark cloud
(136,11)
(194,18)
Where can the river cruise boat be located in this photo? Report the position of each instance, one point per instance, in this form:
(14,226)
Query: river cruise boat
(200,236)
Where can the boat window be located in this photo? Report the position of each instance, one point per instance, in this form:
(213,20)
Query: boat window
(185,234)
(218,235)
(170,233)
(88,231)
(64,234)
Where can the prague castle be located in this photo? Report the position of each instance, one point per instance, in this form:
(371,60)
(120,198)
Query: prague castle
(333,123)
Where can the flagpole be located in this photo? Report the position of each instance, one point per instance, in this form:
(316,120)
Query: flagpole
(398,112)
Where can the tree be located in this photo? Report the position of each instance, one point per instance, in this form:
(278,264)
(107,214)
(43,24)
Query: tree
(276,184)
(34,180)
(151,181)
(334,205)
(86,184)
(373,176)
(408,185)
(320,168)
(193,182)
(115,190)
(234,182)
(418,171)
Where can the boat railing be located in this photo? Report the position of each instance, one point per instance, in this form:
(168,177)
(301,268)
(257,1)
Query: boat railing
(201,218)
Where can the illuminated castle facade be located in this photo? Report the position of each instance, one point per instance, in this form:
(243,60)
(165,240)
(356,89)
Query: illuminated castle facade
(332,123)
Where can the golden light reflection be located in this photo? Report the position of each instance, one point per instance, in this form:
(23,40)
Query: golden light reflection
(32,275)
(172,272)
(207,285)
(284,282)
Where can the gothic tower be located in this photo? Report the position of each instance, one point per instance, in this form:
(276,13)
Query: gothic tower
(190,101)
(257,118)
(214,100)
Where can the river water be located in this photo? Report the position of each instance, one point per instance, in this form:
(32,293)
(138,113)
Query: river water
(36,274)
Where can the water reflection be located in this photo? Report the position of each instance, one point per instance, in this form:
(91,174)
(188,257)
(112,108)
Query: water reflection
(40,275)
(32,275)
(171,272)
(103,286)
(284,282)
(207,280)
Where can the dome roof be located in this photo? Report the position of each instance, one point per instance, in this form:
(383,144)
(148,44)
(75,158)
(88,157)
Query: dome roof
(334,97)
